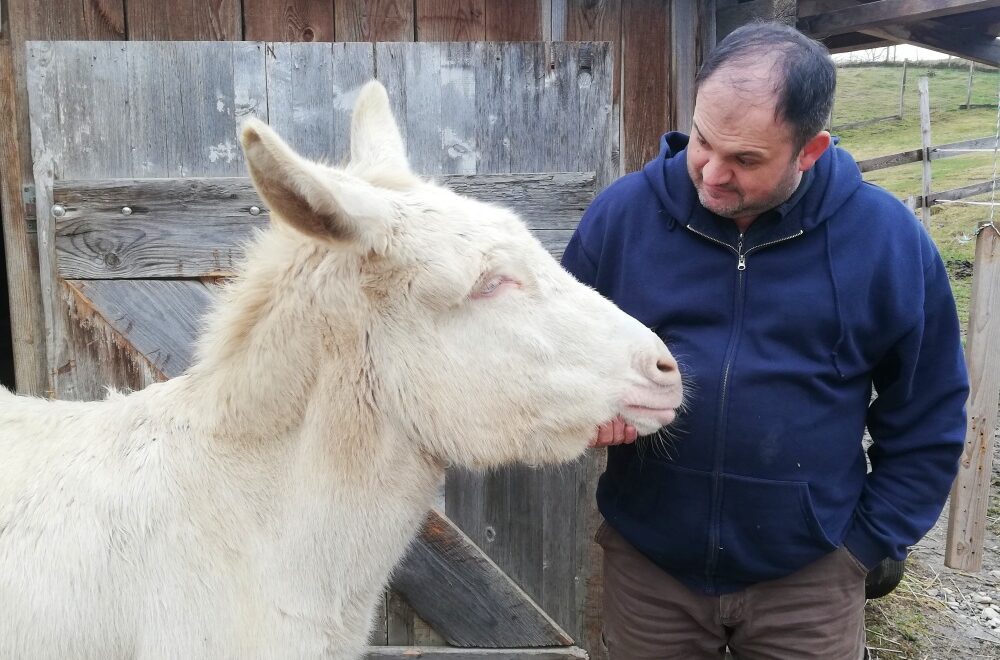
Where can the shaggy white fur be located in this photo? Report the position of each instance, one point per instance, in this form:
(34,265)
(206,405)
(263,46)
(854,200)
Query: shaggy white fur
(254,507)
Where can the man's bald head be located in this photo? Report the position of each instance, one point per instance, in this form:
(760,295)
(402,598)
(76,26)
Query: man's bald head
(772,62)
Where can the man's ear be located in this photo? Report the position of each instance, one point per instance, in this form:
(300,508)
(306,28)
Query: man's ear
(812,150)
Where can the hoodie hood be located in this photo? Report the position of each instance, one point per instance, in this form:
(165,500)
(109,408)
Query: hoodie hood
(835,178)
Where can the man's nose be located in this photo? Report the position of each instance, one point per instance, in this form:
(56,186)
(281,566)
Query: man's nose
(714,173)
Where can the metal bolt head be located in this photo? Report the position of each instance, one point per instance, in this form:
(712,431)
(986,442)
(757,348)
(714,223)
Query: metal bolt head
(58,211)
(126,210)
(254,210)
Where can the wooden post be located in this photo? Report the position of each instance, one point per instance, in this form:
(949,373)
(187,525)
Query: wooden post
(902,89)
(968,91)
(925,136)
(971,492)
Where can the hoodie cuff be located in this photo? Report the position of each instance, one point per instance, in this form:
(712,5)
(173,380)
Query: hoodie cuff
(864,548)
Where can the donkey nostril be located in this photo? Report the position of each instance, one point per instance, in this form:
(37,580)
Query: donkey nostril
(666,366)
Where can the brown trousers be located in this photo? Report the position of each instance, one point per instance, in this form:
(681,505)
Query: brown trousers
(816,612)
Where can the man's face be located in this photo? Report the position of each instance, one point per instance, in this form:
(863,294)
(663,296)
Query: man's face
(741,158)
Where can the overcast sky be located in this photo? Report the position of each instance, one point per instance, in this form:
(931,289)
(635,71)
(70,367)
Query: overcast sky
(902,52)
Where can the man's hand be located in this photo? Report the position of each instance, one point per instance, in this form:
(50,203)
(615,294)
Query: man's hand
(615,432)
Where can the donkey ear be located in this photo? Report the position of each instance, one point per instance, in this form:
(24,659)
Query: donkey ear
(316,200)
(376,144)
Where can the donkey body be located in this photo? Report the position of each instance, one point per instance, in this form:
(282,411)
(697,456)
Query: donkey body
(380,329)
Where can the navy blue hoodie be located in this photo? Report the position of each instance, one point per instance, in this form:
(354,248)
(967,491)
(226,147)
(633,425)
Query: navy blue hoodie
(781,336)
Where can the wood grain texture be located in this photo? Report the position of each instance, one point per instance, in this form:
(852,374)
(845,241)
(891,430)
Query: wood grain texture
(152,320)
(311,89)
(375,20)
(597,20)
(684,57)
(19,243)
(515,20)
(196,227)
(482,606)
(184,20)
(450,20)
(646,80)
(288,20)
(970,494)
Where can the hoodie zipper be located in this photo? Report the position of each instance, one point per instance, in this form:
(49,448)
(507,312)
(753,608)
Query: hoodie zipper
(714,532)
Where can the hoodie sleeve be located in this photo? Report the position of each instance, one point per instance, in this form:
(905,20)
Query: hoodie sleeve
(583,249)
(918,425)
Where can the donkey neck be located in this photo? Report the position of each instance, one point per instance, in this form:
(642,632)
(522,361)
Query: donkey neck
(272,343)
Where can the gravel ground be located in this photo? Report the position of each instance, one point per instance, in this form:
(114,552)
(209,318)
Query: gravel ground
(961,611)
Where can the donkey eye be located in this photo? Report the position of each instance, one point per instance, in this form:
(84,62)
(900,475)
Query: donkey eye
(489,286)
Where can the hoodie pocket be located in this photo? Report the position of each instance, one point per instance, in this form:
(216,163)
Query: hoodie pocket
(663,511)
(768,529)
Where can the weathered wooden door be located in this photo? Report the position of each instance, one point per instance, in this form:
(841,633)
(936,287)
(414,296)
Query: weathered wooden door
(143,201)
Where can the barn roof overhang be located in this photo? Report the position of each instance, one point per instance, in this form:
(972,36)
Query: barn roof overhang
(963,28)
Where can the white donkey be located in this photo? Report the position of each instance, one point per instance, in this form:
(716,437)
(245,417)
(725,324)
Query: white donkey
(380,329)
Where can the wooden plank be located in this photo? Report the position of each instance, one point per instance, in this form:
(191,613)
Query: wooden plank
(684,32)
(196,227)
(492,611)
(156,319)
(925,138)
(98,351)
(515,20)
(180,20)
(288,20)
(970,493)
(597,20)
(451,20)
(417,653)
(19,243)
(90,78)
(952,149)
(891,160)
(311,90)
(646,81)
(961,193)
(374,20)
(886,12)
(706,30)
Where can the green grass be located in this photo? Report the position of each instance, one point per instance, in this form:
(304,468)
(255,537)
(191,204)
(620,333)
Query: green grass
(870,92)
(897,625)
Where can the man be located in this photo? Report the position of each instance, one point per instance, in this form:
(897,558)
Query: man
(788,289)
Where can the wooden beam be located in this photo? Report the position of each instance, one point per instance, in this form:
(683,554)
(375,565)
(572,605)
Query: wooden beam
(465,596)
(886,12)
(960,193)
(891,160)
(447,653)
(970,494)
(193,227)
(967,44)
(845,43)
(19,242)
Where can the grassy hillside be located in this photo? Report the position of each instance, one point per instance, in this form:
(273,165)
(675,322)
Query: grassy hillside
(869,92)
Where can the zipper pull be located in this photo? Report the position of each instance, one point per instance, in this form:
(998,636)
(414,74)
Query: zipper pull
(742,264)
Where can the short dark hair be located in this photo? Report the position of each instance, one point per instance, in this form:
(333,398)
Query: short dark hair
(807,79)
